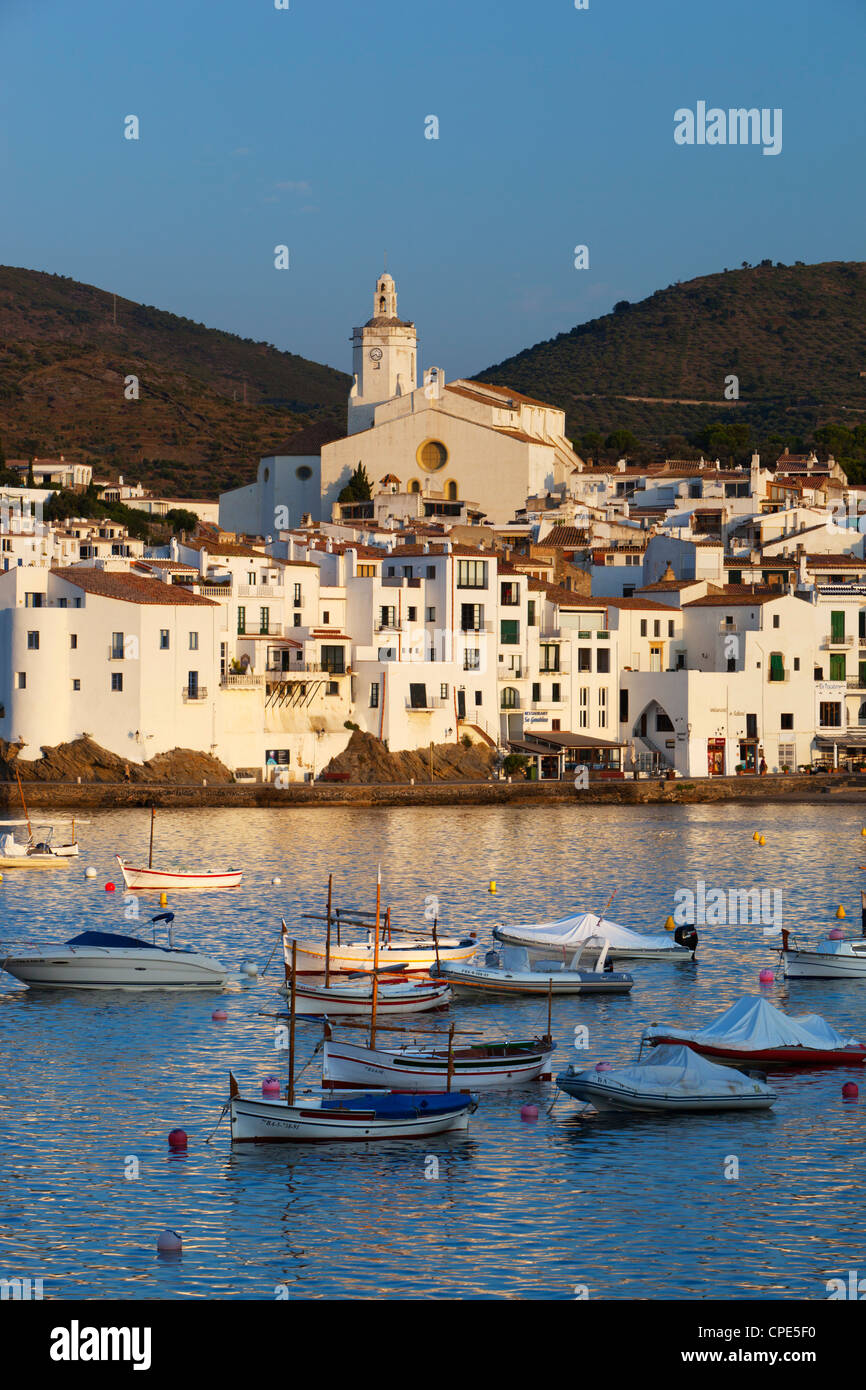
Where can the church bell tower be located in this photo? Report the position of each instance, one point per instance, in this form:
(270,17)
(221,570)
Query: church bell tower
(384,357)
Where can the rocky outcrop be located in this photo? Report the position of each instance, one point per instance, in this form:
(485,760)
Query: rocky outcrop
(367,760)
(85,760)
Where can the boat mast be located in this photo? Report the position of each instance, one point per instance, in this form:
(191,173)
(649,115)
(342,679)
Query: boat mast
(328,936)
(24,804)
(376,960)
(450,1057)
(290,1092)
(150,853)
(549,1006)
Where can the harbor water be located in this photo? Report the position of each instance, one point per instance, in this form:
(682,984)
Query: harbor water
(611,1207)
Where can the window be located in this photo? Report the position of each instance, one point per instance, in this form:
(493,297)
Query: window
(583,717)
(548,656)
(787,754)
(471,574)
(735,576)
(555,692)
(116,647)
(787,722)
(21,680)
(192,685)
(536,692)
(264,621)
(392,570)
(431,615)
(623,707)
(657,628)
(432,455)
(387,617)
(443,691)
(296,598)
(777,666)
(602,709)
(509,631)
(775,620)
(478,697)
(193,638)
(732,663)
(73,640)
(332,688)
(472,659)
(296,620)
(818,673)
(431,571)
(407,571)
(34,600)
(334,660)
(326,616)
(164,639)
(602,661)
(796,663)
(510,698)
(418,696)
(33,641)
(837,626)
(643,627)
(374,695)
(509,592)
(830,714)
(671,628)
(584,658)
(751,726)
(837,666)
(412,614)
(363,572)
(117,680)
(663,723)
(76,685)
(242,621)
(471,617)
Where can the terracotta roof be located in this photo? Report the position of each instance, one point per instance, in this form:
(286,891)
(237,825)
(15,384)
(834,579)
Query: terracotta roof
(633,601)
(130,588)
(834,562)
(514,395)
(566,538)
(668,585)
(736,596)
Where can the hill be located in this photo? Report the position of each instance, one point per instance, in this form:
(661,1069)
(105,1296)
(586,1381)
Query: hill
(211,403)
(650,377)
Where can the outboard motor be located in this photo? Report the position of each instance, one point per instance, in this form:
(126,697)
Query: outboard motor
(688,937)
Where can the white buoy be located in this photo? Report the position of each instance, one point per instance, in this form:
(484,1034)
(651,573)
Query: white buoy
(90,872)
(249,967)
(276,882)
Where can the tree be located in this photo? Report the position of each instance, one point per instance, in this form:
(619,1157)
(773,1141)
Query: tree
(358,488)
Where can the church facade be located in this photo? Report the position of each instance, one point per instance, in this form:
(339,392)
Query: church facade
(457,440)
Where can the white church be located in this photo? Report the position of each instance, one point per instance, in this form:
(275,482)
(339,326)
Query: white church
(453,440)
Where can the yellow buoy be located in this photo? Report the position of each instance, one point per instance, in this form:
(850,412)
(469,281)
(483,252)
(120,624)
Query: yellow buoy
(840,911)
(761,840)
(669,924)
(492,887)
(863,831)
(757,835)
(163,900)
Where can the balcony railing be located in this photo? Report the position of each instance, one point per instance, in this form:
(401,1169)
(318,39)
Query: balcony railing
(827,642)
(476,627)
(395,626)
(431,703)
(261,591)
(193,693)
(233,681)
(728,627)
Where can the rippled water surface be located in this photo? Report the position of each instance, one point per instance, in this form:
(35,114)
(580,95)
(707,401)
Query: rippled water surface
(627,1206)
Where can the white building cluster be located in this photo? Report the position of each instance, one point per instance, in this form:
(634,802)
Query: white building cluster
(682,618)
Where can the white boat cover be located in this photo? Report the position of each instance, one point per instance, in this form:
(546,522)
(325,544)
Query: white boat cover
(10,847)
(573,931)
(678,1071)
(754,1025)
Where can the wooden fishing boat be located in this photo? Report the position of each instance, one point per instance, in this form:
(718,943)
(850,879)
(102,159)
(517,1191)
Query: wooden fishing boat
(353,997)
(753,1032)
(834,958)
(512,970)
(148,879)
(484,1066)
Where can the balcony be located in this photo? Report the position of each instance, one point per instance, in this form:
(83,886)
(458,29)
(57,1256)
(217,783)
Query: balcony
(259,591)
(729,627)
(828,643)
(431,703)
(476,627)
(192,694)
(233,681)
(394,626)
(268,629)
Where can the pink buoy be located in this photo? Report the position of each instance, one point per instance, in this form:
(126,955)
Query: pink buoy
(529,1113)
(603,1066)
(767,976)
(219,1015)
(270,1086)
(177,1139)
(850,1091)
(109,887)
(836,934)
(169,1243)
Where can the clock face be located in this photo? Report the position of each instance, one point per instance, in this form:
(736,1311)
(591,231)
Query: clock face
(376,354)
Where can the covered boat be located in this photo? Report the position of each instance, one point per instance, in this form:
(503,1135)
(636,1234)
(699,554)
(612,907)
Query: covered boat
(753,1031)
(106,960)
(512,970)
(568,933)
(355,1119)
(485,1066)
(670,1079)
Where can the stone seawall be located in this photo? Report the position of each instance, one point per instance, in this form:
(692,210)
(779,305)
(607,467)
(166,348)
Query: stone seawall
(50,796)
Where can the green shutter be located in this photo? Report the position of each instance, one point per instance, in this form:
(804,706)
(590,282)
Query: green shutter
(837,627)
(837,666)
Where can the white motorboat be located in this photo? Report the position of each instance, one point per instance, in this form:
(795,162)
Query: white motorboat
(38,852)
(834,958)
(359,1119)
(148,879)
(345,997)
(485,1066)
(567,934)
(106,960)
(753,1032)
(417,956)
(670,1079)
(512,970)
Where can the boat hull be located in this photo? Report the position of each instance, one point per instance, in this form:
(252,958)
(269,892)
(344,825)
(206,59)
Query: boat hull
(544,950)
(276,1122)
(772,1056)
(419,960)
(142,880)
(607,1098)
(68,968)
(815,965)
(344,1002)
(33,861)
(467,979)
(348,1066)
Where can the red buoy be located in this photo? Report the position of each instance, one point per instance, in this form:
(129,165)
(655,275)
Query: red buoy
(850,1091)
(177,1139)
(109,887)
(529,1113)
(219,1015)
(270,1086)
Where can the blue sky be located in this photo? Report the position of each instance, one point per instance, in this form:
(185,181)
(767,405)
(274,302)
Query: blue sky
(305,127)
